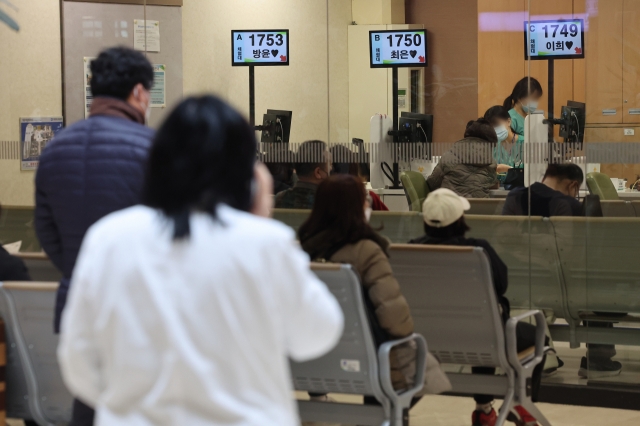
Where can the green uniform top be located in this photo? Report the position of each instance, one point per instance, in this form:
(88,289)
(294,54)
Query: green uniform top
(517,123)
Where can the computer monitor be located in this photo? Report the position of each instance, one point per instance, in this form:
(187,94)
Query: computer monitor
(414,127)
(574,117)
(276,126)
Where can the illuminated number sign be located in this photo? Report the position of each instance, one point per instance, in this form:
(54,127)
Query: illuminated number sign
(403,48)
(259,47)
(561,39)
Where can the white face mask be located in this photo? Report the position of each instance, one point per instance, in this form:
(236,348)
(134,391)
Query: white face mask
(147,114)
(530,107)
(147,109)
(367,214)
(502,133)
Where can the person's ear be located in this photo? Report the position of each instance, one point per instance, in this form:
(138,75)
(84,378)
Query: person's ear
(317,173)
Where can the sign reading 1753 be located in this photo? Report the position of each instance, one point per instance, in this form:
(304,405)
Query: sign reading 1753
(399,48)
(557,39)
(259,47)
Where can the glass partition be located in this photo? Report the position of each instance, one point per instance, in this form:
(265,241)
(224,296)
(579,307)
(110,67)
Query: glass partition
(579,60)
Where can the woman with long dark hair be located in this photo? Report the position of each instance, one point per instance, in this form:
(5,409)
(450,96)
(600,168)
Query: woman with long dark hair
(522,101)
(338,231)
(186,310)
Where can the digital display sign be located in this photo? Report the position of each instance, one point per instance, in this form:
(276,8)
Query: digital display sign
(398,48)
(559,39)
(259,47)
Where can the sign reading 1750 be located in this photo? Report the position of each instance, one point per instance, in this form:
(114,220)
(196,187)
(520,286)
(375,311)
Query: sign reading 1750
(398,48)
(559,39)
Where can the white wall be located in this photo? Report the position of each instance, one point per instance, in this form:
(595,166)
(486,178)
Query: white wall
(315,86)
(30,75)
(309,87)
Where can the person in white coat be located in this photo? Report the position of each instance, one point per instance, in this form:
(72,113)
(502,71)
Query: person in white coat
(185,310)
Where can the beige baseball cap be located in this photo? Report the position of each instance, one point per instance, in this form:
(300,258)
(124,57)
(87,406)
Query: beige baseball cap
(443,207)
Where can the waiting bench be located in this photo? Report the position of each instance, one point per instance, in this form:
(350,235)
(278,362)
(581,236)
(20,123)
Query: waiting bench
(602,274)
(454,305)
(355,366)
(35,390)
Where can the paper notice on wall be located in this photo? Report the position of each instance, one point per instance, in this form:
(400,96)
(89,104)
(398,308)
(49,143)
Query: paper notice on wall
(158,93)
(35,134)
(86,76)
(148,40)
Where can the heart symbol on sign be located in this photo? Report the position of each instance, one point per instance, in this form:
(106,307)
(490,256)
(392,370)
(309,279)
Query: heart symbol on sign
(274,53)
(569,44)
(413,53)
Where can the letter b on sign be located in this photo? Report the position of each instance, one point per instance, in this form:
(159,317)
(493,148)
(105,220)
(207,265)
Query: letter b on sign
(377,37)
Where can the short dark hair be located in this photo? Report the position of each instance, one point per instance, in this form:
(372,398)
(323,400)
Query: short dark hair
(567,171)
(457,229)
(481,129)
(344,160)
(311,155)
(338,210)
(116,71)
(521,91)
(496,113)
(203,155)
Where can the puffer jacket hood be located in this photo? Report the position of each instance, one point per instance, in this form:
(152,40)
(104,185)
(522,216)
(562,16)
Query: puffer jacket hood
(467,168)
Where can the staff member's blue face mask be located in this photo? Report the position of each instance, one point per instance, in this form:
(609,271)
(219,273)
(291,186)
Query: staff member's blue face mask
(530,107)
(502,133)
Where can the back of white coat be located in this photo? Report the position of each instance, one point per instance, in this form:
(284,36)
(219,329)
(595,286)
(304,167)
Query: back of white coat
(193,332)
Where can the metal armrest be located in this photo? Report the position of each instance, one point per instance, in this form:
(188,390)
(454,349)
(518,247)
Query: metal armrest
(512,351)
(404,397)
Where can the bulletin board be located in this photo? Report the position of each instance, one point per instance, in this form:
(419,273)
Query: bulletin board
(89,28)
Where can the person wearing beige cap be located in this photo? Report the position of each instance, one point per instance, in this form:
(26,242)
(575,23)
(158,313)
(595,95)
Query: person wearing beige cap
(444,224)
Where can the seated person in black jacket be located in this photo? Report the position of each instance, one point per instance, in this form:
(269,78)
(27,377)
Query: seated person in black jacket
(443,213)
(555,196)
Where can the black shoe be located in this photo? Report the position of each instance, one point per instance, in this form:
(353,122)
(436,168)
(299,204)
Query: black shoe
(596,369)
(553,370)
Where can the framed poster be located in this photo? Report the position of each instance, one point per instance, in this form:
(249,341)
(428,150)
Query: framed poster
(398,48)
(88,96)
(35,134)
(554,39)
(259,48)
(158,91)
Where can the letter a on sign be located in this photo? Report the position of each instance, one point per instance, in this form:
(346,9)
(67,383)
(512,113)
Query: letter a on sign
(239,37)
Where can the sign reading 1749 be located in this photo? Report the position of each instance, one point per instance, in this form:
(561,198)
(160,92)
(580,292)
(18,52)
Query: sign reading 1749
(259,47)
(398,48)
(554,39)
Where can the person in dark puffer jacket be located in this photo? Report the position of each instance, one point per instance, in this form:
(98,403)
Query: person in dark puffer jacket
(94,167)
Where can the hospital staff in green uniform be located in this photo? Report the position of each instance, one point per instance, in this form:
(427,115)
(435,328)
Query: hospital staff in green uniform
(508,153)
(523,101)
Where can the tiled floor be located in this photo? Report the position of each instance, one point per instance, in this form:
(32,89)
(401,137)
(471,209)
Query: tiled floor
(456,411)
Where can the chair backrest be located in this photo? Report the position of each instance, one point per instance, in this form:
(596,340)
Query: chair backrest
(600,184)
(351,367)
(617,208)
(600,265)
(636,207)
(453,302)
(40,267)
(415,188)
(486,206)
(39,394)
(528,247)
(291,217)
(398,227)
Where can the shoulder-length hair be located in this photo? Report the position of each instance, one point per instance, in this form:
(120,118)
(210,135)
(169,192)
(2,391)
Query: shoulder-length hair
(339,211)
(203,155)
